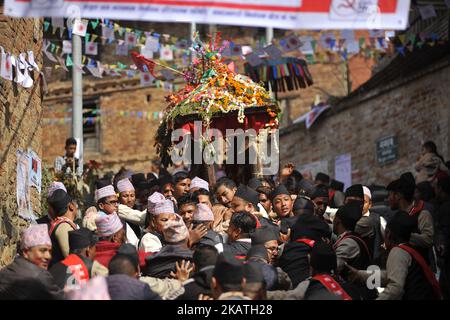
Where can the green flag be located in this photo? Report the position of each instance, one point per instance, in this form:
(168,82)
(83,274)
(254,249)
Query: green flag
(69,61)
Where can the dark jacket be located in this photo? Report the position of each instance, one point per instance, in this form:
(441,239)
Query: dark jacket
(124,287)
(239,249)
(200,283)
(161,264)
(294,261)
(211,239)
(23,280)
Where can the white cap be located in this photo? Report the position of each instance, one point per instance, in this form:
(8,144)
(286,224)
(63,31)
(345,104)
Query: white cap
(367,192)
(199,183)
(124,185)
(104,192)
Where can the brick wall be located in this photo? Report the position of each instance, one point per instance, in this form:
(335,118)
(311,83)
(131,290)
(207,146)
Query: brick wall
(416,110)
(20,116)
(124,140)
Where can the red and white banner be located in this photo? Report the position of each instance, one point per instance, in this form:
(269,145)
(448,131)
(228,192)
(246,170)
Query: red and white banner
(285,14)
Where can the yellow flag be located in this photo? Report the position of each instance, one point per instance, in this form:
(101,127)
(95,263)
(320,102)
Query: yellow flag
(128,29)
(116,27)
(402,38)
(93,37)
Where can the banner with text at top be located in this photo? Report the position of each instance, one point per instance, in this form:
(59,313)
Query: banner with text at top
(286,14)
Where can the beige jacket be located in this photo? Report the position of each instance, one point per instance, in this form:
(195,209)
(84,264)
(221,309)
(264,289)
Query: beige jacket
(427,166)
(168,289)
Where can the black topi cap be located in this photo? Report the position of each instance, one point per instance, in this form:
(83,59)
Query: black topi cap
(323,258)
(59,201)
(355,190)
(280,189)
(402,225)
(323,177)
(349,214)
(81,238)
(337,185)
(248,195)
(264,233)
(228,270)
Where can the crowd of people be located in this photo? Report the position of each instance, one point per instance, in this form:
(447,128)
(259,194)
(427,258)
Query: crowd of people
(174,236)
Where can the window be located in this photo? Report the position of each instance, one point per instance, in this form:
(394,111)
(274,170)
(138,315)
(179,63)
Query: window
(91,126)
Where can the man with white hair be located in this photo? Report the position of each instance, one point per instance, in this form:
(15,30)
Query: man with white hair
(371,226)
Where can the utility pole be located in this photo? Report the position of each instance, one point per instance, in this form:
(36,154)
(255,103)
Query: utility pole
(77,96)
(269,39)
(269,35)
(193,29)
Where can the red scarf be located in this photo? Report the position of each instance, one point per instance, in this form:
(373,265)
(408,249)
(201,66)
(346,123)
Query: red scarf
(77,268)
(308,242)
(332,286)
(57,221)
(417,208)
(429,275)
(106,250)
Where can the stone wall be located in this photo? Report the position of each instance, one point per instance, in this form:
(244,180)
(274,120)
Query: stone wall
(20,127)
(415,109)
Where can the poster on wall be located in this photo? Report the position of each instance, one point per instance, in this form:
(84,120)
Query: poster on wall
(343,169)
(314,168)
(23,186)
(35,171)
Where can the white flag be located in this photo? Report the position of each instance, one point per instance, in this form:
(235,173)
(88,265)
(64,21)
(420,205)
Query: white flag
(95,71)
(306,47)
(147,52)
(80,27)
(146,79)
(290,43)
(166,53)
(17,65)
(152,43)
(67,46)
(130,39)
(108,33)
(91,48)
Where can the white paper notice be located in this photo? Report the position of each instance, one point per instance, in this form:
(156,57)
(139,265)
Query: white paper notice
(22,186)
(343,169)
(35,173)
